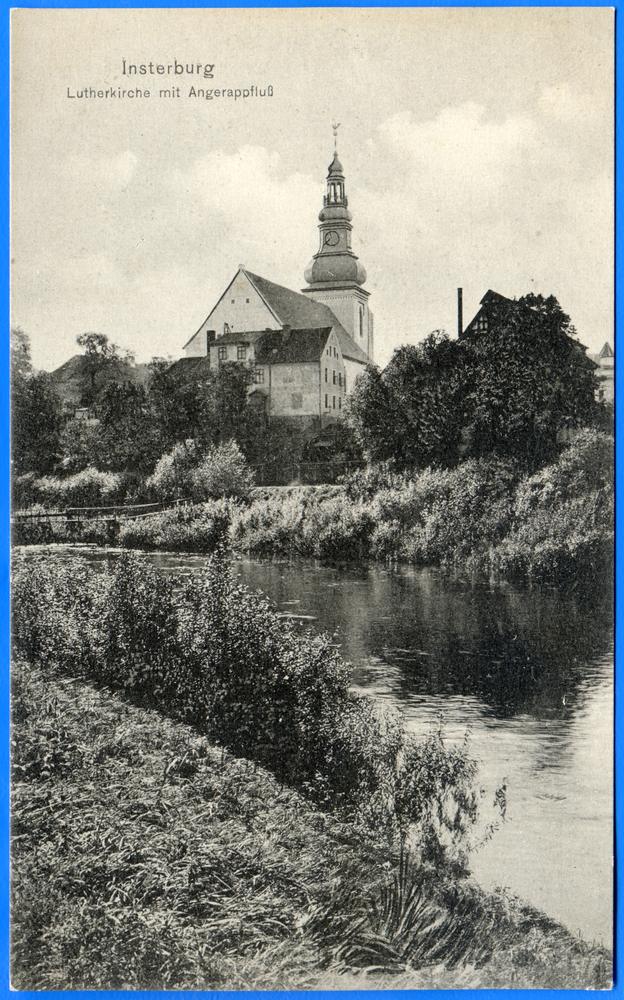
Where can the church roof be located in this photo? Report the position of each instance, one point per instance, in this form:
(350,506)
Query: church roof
(606,352)
(300,313)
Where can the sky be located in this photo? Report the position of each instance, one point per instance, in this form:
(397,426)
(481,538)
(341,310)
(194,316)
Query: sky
(477,145)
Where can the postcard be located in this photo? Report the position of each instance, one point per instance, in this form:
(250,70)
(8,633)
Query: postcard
(312,363)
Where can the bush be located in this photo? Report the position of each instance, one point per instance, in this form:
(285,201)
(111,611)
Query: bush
(171,479)
(212,654)
(185,473)
(222,473)
(182,529)
(89,488)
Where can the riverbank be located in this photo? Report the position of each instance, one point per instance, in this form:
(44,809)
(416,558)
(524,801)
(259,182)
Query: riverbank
(554,527)
(145,857)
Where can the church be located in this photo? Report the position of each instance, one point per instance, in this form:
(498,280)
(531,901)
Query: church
(306,348)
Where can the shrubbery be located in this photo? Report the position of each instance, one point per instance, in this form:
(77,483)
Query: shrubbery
(212,654)
(88,488)
(483,514)
(181,529)
(187,473)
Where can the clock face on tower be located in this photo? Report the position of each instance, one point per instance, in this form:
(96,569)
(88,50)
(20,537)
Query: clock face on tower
(331,238)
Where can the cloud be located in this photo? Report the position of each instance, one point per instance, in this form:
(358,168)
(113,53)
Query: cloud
(108,171)
(460,145)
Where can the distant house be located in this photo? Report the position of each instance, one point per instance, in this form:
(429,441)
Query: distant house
(497,310)
(605,373)
(307,348)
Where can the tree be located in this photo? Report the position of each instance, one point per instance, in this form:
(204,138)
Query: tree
(35,412)
(208,409)
(527,377)
(411,412)
(130,441)
(103,362)
(506,392)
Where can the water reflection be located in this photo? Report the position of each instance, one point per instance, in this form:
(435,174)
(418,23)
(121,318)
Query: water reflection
(514,651)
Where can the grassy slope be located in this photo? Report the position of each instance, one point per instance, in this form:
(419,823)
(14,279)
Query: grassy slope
(145,858)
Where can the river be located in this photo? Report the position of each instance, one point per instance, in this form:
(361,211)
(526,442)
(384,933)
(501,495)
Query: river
(527,674)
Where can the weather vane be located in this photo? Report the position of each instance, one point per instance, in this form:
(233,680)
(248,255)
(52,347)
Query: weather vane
(335,131)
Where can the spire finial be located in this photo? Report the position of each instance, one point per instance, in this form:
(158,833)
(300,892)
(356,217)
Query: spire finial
(335,131)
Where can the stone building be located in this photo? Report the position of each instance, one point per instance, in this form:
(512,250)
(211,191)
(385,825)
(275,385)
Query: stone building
(306,348)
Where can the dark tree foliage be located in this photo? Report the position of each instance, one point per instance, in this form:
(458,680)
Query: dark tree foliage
(527,377)
(208,410)
(130,439)
(411,412)
(35,412)
(505,392)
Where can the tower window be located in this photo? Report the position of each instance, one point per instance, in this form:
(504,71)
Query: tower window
(246,300)
(361,322)
(233,301)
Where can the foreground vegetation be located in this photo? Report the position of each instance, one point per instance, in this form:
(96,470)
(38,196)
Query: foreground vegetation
(145,856)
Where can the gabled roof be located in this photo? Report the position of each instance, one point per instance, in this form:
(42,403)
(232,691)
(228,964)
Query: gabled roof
(607,352)
(297,311)
(301,312)
(283,347)
(189,368)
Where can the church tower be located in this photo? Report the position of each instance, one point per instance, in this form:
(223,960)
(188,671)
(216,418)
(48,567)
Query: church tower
(335,275)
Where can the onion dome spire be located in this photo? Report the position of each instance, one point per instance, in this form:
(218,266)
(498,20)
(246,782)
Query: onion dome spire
(335,265)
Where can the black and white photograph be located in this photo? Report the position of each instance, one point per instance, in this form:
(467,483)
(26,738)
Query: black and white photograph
(312,367)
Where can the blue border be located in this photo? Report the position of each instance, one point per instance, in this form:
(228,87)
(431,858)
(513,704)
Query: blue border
(4,494)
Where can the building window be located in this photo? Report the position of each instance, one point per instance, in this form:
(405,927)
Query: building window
(334,403)
(339,402)
(246,300)
(344,382)
(222,354)
(259,376)
(334,374)
(326,374)
(233,300)
(339,378)
(326,402)
(241,353)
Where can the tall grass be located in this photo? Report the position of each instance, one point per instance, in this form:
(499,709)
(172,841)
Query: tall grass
(216,656)
(143,857)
